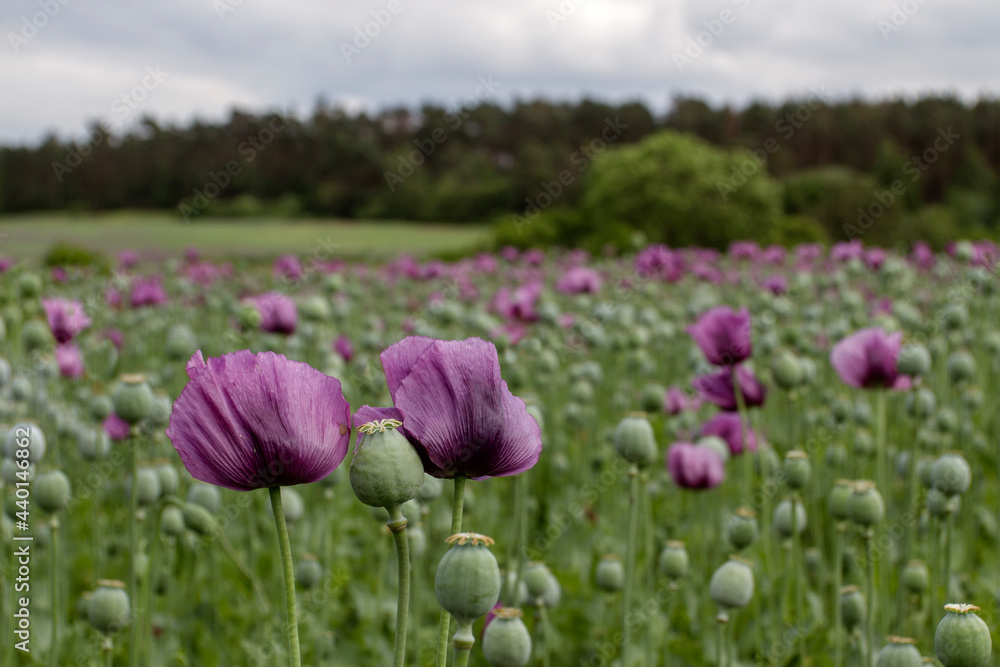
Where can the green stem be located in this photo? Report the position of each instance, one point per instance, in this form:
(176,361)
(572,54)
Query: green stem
(720,643)
(870,571)
(397,524)
(133,645)
(838,582)
(946,573)
(630,558)
(456,527)
(54,645)
(546,635)
(286,565)
(464,641)
(517,540)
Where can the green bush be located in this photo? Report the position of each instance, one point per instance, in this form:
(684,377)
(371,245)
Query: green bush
(847,203)
(67,254)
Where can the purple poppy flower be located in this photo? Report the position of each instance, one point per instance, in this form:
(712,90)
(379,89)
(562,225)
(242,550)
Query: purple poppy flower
(727,425)
(127,259)
(59,274)
(278,313)
(723,335)
(248,421)
(457,410)
(69,360)
(147,292)
(288,267)
(675,401)
(694,467)
(343,347)
(5,264)
(923,256)
(744,250)
(867,358)
(718,388)
(116,427)
(776,284)
(115,336)
(66,318)
(579,280)
(659,261)
(519,304)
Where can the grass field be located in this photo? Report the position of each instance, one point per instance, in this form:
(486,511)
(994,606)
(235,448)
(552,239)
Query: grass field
(156,234)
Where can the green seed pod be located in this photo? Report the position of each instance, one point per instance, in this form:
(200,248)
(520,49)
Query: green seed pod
(651,399)
(840,410)
(11,473)
(198,519)
(865,506)
(961,367)
(206,495)
(731,586)
(915,577)
(308,572)
(962,639)
(797,469)
(941,505)
(836,455)
(506,640)
(418,540)
(717,445)
(947,421)
(634,440)
(99,407)
(51,491)
(159,416)
(742,528)
(172,521)
(853,610)
(292,505)
(20,389)
(25,436)
(29,285)
(898,652)
(386,470)
(147,486)
(610,574)
(467,582)
(787,370)
(674,562)
(582,392)
(35,336)
(972,398)
(109,610)
(133,399)
(922,404)
(536,578)
(914,360)
(766,462)
(782,519)
(951,474)
(863,413)
(430,488)
(864,443)
(169,479)
(92,444)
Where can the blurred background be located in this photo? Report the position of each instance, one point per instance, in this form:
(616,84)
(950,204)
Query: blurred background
(583,123)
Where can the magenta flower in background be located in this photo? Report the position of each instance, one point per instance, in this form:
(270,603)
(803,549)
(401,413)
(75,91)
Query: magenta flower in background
(675,401)
(278,313)
(116,427)
(5,264)
(343,347)
(191,253)
(776,284)
(518,304)
(847,250)
(127,259)
(727,425)
(247,421)
(867,358)
(659,261)
(456,409)
(288,267)
(579,280)
(922,256)
(723,335)
(874,258)
(744,250)
(69,360)
(59,274)
(66,318)
(147,292)
(718,388)
(115,336)
(693,467)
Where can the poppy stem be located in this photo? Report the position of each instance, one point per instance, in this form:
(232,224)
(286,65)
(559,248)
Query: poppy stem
(630,558)
(286,565)
(397,524)
(456,527)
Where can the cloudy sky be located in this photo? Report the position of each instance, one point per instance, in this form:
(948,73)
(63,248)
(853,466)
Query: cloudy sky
(67,63)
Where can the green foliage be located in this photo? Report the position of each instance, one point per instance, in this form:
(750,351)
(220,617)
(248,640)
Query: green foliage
(249,206)
(68,254)
(837,197)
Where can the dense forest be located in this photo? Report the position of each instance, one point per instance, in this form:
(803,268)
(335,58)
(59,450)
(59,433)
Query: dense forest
(479,163)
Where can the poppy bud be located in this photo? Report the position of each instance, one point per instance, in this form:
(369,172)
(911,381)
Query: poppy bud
(962,639)
(108,610)
(133,400)
(797,469)
(634,440)
(865,506)
(430,488)
(506,641)
(731,586)
(852,607)
(35,336)
(172,521)
(543,587)
(169,480)
(673,562)
(742,528)
(418,540)
(467,582)
(610,574)
(51,491)
(951,474)
(783,517)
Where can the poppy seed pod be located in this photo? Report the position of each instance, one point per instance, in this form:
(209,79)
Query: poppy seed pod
(292,505)
(962,639)
(610,574)
(742,528)
(147,486)
(467,582)
(853,609)
(674,562)
(783,520)
(914,360)
(787,370)
(506,641)
(108,610)
(92,444)
(35,336)
(205,495)
(921,404)
(198,519)
(172,521)
(898,652)
(915,577)
(941,505)
(634,440)
(797,469)
(100,407)
(543,588)
(133,400)
(418,540)
(386,470)
(308,572)
(169,479)
(961,366)
(25,436)
(865,506)
(951,474)
(731,586)
(51,490)
(430,488)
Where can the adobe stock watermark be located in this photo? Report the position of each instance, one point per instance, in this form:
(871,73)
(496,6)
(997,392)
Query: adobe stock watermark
(223,7)
(562,12)
(408,163)
(913,169)
(898,17)
(122,108)
(757,158)
(581,158)
(714,28)
(364,34)
(248,150)
(31,25)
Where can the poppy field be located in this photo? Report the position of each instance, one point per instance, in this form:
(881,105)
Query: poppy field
(762,456)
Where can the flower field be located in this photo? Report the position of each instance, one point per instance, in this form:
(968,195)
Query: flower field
(675,457)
